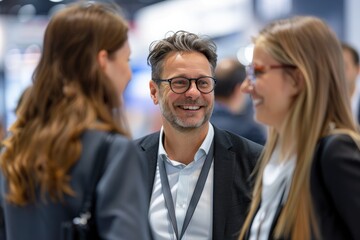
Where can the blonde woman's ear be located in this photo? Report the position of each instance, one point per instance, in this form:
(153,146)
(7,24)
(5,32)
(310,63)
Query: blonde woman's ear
(297,82)
(299,79)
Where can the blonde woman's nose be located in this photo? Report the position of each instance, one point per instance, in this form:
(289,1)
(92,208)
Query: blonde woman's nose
(247,86)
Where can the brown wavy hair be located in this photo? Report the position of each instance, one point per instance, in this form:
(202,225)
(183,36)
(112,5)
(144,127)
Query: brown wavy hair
(70,94)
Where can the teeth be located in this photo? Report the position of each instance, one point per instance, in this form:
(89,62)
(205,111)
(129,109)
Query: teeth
(191,107)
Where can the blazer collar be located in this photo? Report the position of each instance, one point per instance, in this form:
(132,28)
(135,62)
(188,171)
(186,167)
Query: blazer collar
(224,159)
(150,146)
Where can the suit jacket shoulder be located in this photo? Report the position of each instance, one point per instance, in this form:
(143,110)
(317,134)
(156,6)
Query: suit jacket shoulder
(243,146)
(335,182)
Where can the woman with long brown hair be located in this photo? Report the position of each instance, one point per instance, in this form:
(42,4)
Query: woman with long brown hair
(73,104)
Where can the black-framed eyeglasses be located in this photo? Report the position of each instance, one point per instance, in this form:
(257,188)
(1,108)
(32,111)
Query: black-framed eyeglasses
(182,84)
(253,71)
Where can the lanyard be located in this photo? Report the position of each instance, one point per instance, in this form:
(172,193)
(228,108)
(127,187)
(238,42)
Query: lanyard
(195,196)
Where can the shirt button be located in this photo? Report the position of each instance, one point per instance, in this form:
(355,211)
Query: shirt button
(182,205)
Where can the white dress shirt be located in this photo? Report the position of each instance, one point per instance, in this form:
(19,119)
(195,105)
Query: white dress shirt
(182,181)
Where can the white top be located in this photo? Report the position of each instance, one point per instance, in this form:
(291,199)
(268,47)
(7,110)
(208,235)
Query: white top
(355,100)
(182,181)
(276,182)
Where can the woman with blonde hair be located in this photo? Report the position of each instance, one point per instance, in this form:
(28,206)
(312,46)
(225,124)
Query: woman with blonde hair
(53,149)
(308,179)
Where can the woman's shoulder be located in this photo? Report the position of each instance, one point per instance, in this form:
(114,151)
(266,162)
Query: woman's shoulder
(337,137)
(119,146)
(93,134)
(336,142)
(92,138)
(337,151)
(121,151)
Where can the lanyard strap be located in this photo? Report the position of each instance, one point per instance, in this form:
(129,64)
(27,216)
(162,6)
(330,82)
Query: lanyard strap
(195,196)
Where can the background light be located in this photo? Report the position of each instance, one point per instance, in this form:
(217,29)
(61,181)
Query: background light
(245,54)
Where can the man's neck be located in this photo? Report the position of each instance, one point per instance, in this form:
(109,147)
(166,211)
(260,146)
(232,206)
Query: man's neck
(181,146)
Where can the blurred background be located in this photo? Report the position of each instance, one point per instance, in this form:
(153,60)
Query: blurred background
(230,23)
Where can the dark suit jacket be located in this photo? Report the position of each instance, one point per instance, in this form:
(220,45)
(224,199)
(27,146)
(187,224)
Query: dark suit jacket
(234,160)
(121,208)
(335,188)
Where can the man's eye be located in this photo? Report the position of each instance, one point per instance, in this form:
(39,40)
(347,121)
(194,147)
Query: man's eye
(180,82)
(203,83)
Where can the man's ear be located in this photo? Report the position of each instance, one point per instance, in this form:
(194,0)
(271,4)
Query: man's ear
(154,91)
(102,58)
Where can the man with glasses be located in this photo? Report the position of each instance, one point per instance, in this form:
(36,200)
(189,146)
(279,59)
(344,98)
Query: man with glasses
(199,175)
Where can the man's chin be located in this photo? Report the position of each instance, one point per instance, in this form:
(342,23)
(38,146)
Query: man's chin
(187,127)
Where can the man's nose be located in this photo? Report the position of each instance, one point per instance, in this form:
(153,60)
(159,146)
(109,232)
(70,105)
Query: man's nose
(193,88)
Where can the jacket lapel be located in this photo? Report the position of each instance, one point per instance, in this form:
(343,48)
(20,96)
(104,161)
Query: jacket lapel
(223,176)
(150,146)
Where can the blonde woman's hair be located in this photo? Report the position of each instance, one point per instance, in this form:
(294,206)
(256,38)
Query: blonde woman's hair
(70,94)
(308,43)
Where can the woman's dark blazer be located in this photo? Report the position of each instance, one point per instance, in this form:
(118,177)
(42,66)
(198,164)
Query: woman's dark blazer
(121,197)
(335,188)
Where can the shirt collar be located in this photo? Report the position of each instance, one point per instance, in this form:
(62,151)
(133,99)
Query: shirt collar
(204,148)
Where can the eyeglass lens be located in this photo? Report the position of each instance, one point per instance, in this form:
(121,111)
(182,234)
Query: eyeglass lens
(203,84)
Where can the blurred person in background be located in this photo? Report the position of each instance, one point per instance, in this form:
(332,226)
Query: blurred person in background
(308,179)
(73,105)
(198,174)
(352,70)
(232,109)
